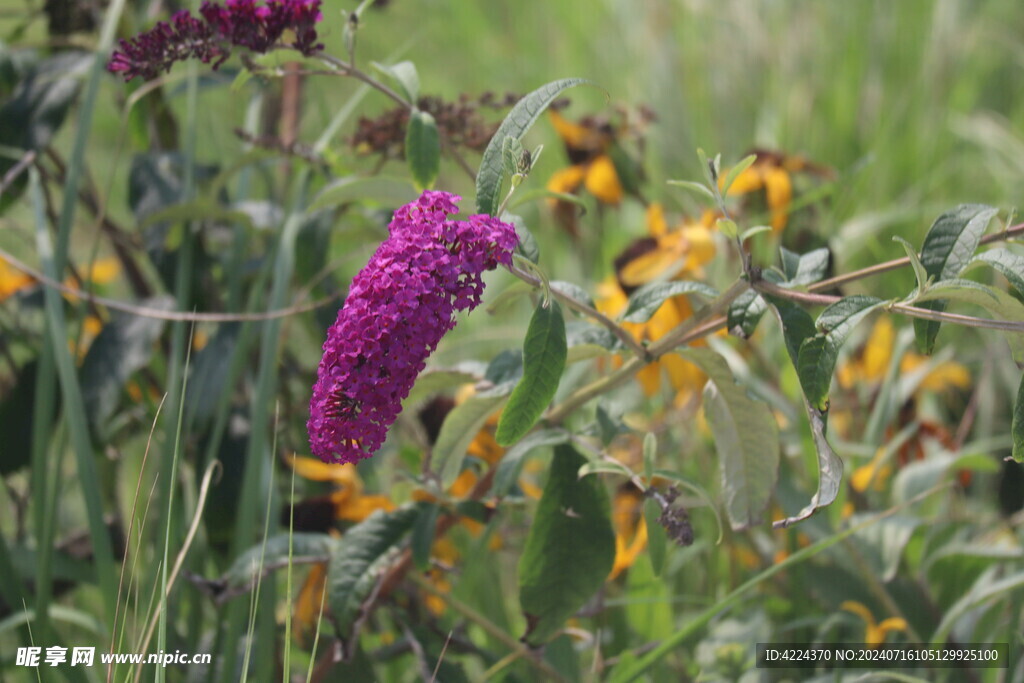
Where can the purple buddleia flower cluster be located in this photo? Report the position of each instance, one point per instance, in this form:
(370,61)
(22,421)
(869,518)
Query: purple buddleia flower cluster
(398,308)
(242,23)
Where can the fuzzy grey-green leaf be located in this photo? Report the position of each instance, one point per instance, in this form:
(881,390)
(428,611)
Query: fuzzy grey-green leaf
(645,301)
(516,123)
(746,439)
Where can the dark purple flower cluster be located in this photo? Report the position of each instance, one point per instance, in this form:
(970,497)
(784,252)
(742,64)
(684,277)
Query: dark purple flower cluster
(398,308)
(244,23)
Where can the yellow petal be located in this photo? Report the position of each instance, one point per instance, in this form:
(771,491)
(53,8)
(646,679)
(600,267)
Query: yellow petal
(700,245)
(573,134)
(567,180)
(656,224)
(648,267)
(779,190)
(317,470)
(356,508)
(104,270)
(308,604)
(948,375)
(878,351)
(485,447)
(602,181)
(12,280)
(859,609)
(748,181)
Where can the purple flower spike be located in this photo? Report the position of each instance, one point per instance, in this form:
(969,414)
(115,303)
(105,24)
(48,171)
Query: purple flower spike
(398,308)
(252,24)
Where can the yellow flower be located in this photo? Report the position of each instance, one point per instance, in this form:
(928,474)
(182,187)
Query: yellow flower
(348,500)
(875,472)
(772,173)
(874,634)
(871,364)
(593,148)
(309,604)
(667,254)
(630,528)
(12,280)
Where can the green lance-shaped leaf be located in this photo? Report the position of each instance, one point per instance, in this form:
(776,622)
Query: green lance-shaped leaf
(1017,426)
(570,549)
(358,559)
(405,76)
(816,359)
(948,248)
(460,427)
(519,120)
(423,149)
(746,439)
(573,291)
(920,274)
(830,471)
(798,327)
(645,301)
(121,348)
(745,313)
(803,269)
(1002,305)
(544,355)
(1006,263)
(381,189)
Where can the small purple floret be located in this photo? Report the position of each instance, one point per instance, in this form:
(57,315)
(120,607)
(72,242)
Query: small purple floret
(398,308)
(250,24)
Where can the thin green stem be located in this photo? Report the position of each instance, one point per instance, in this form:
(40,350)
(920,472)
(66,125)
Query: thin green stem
(625,337)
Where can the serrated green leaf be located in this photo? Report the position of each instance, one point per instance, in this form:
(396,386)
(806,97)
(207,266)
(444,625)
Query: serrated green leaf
(516,123)
(357,561)
(735,172)
(423,149)
(1002,305)
(572,291)
(645,302)
(746,439)
(745,313)
(570,548)
(512,462)
(304,547)
(423,531)
(830,471)
(122,347)
(920,274)
(381,189)
(1008,264)
(544,356)
(948,248)
(1017,426)
(816,359)
(698,188)
(657,539)
(405,76)
(458,430)
(803,269)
